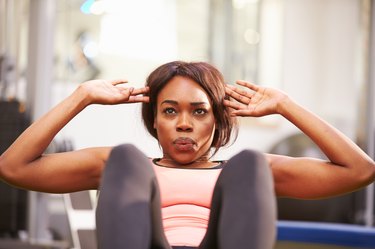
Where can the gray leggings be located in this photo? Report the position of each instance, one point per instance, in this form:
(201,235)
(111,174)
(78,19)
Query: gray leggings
(243,208)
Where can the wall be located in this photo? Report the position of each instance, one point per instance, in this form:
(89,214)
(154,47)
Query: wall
(319,68)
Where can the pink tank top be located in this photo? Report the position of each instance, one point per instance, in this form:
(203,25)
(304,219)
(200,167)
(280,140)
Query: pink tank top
(186,199)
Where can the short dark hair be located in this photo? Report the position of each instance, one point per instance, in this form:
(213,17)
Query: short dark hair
(210,79)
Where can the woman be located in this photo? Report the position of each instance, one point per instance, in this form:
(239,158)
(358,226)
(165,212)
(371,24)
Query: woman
(205,203)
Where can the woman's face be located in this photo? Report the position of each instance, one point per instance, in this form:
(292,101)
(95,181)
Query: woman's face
(184,121)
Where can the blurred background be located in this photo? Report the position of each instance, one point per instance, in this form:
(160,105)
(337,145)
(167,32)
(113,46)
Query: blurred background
(318,51)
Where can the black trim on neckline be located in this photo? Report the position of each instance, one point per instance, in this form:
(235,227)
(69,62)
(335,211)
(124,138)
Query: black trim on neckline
(219,166)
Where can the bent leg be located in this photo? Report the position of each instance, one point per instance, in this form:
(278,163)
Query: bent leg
(243,209)
(128,214)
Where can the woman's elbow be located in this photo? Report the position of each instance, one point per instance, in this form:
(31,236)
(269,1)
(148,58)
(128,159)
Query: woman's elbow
(372,171)
(7,172)
(2,166)
(367,174)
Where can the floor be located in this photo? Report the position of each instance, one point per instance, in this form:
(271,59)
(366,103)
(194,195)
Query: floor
(294,245)
(16,244)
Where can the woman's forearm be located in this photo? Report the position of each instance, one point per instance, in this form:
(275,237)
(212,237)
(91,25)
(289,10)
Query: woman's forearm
(35,139)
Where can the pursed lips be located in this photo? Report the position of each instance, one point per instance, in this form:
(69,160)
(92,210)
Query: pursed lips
(184,144)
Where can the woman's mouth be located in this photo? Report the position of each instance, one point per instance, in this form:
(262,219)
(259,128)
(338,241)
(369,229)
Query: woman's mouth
(184,144)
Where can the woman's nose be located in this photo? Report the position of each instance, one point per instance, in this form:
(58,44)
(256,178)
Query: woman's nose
(184,123)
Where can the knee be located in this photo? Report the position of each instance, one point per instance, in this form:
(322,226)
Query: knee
(249,168)
(248,162)
(128,157)
(125,154)
(124,150)
(250,156)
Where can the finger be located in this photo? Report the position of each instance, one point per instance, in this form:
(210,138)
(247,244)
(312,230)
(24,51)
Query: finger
(241,113)
(138,99)
(133,91)
(141,90)
(118,81)
(241,91)
(248,85)
(238,94)
(233,105)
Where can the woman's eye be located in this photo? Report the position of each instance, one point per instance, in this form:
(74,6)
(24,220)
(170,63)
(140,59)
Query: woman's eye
(200,111)
(169,111)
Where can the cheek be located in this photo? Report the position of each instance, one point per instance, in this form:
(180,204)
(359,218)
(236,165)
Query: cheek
(208,128)
(163,127)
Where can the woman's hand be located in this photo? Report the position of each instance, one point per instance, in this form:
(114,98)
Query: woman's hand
(111,92)
(255,101)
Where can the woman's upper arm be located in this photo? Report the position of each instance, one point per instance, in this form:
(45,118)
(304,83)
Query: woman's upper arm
(308,178)
(60,172)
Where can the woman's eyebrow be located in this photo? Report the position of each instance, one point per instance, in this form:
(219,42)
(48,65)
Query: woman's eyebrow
(199,103)
(174,102)
(167,101)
